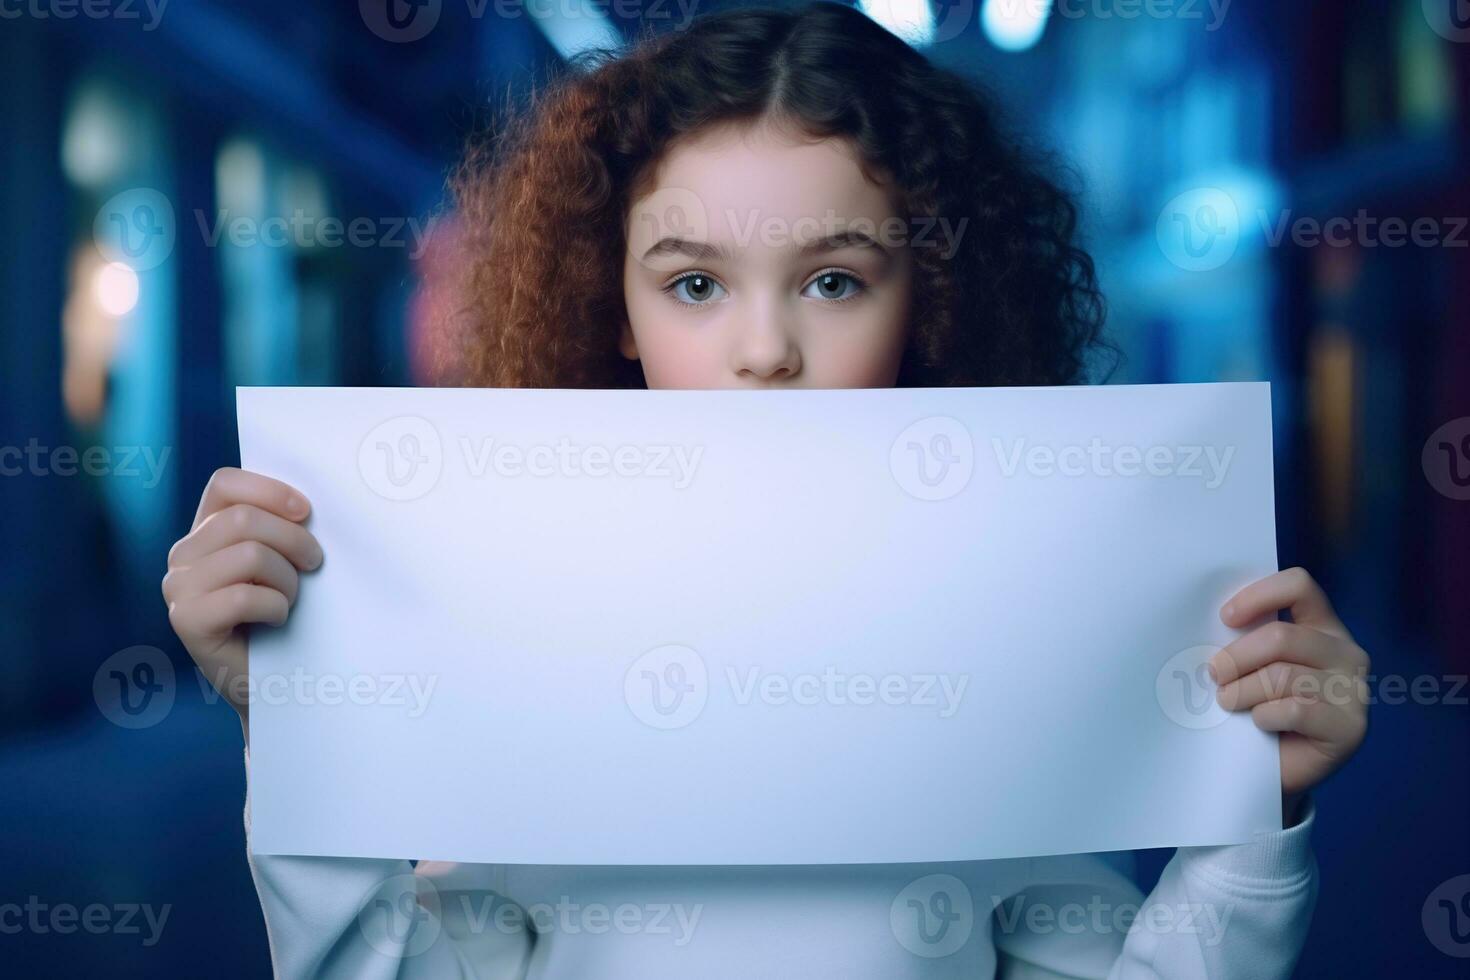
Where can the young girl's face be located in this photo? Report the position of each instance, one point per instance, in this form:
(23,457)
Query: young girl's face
(757,260)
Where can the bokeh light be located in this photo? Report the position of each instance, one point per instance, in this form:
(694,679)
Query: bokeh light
(116,288)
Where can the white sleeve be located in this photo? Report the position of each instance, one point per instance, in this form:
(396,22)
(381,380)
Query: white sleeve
(1217,913)
(367,918)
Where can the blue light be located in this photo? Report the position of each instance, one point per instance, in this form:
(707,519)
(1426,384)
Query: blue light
(912,20)
(1015,25)
(576,26)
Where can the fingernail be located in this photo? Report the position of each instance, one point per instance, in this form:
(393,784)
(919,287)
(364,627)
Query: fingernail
(295,504)
(316,560)
(1214,674)
(1228,613)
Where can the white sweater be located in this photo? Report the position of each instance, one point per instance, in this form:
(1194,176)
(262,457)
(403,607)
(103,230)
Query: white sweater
(1217,913)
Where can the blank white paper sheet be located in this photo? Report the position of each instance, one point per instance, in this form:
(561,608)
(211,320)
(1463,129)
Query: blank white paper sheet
(760,627)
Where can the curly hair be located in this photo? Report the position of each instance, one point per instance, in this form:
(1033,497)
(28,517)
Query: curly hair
(543,204)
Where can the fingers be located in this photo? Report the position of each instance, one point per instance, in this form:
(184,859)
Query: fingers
(1281,641)
(1326,723)
(245,522)
(239,564)
(1283,680)
(219,612)
(1305,679)
(1292,589)
(248,561)
(230,485)
(1270,683)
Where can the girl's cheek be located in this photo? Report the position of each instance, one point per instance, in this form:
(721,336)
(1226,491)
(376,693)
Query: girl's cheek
(866,350)
(844,365)
(682,359)
(865,353)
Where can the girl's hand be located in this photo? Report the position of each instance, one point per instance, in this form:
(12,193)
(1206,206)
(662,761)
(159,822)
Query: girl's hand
(239,564)
(1304,678)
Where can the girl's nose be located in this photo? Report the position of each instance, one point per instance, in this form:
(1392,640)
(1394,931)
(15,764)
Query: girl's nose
(766,347)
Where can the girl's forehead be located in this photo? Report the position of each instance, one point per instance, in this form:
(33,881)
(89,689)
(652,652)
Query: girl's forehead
(730,178)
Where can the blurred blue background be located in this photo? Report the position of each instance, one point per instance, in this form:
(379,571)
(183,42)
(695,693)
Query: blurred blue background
(146,146)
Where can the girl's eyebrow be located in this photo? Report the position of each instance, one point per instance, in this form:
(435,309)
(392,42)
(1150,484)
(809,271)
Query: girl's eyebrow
(704,251)
(673,245)
(850,238)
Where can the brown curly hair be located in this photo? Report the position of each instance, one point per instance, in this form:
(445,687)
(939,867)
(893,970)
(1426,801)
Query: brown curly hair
(542,205)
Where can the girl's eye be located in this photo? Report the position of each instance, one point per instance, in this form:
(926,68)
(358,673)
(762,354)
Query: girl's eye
(698,289)
(695,289)
(834,286)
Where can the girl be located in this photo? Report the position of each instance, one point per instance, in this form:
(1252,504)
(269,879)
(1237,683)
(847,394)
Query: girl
(778,199)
